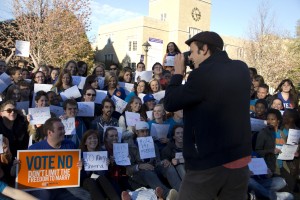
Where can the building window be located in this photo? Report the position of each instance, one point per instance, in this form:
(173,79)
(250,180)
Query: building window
(108,57)
(193,31)
(163,16)
(129,49)
(134,46)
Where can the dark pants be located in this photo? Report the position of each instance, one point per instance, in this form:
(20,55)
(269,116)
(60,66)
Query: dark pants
(100,188)
(220,182)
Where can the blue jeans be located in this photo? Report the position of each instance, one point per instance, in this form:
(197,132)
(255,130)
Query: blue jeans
(266,187)
(180,170)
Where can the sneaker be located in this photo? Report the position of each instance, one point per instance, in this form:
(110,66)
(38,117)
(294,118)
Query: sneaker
(251,196)
(284,196)
(172,195)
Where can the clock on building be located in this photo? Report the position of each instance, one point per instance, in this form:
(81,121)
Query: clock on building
(196,14)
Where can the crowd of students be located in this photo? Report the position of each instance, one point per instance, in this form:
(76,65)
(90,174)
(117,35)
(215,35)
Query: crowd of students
(165,171)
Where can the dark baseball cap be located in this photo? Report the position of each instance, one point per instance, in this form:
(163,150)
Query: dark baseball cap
(207,37)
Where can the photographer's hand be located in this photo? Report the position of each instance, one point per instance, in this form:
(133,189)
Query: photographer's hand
(179,64)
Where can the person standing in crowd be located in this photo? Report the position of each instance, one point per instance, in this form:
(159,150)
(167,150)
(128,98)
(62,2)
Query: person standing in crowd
(171,51)
(216,149)
(287,92)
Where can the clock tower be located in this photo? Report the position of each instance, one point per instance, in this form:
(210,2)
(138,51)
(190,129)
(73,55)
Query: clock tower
(185,18)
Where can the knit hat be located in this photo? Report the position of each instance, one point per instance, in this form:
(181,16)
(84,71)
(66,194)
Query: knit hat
(148,97)
(141,125)
(207,37)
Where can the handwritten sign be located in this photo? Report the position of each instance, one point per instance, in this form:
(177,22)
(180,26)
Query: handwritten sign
(95,161)
(179,157)
(144,75)
(132,118)
(120,104)
(86,109)
(39,115)
(100,95)
(257,124)
(69,125)
(287,152)
(79,81)
(1,143)
(45,169)
(146,147)
(159,130)
(22,48)
(159,95)
(57,110)
(293,136)
(258,166)
(126,86)
(119,129)
(70,93)
(121,154)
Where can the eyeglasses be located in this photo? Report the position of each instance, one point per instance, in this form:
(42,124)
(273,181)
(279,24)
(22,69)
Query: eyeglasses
(10,110)
(89,94)
(113,68)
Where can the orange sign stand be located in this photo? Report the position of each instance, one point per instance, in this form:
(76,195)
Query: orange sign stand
(47,169)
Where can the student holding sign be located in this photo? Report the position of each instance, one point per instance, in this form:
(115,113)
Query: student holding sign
(70,107)
(173,150)
(55,131)
(96,182)
(289,119)
(117,173)
(145,171)
(265,143)
(111,85)
(63,82)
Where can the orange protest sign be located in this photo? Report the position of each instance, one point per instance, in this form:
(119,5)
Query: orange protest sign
(45,169)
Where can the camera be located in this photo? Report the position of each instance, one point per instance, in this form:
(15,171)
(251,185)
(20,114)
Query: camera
(187,62)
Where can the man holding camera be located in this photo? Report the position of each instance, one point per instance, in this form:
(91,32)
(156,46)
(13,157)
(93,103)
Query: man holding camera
(217,136)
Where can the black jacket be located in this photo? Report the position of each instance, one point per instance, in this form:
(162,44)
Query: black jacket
(215,103)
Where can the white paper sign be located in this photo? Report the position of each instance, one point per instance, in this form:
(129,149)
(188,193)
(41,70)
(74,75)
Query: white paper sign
(144,75)
(293,136)
(5,81)
(126,86)
(159,130)
(141,95)
(39,115)
(258,166)
(71,93)
(257,124)
(119,129)
(169,61)
(179,157)
(86,109)
(22,48)
(79,81)
(1,143)
(149,114)
(121,154)
(101,82)
(95,161)
(120,104)
(159,95)
(132,118)
(146,147)
(23,105)
(287,152)
(100,95)
(57,110)
(69,125)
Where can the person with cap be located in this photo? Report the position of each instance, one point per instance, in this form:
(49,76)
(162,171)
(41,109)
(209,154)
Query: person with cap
(149,103)
(217,135)
(145,171)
